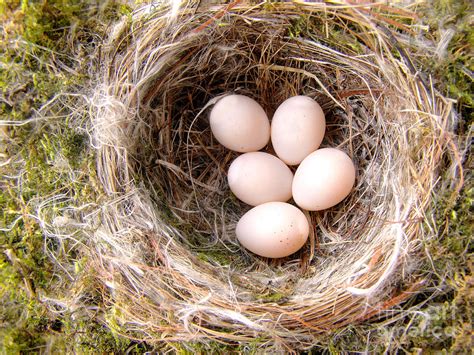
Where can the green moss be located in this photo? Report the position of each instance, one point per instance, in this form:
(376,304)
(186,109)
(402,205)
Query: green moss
(320,28)
(222,258)
(17,301)
(453,72)
(214,347)
(35,48)
(443,322)
(456,225)
(272,297)
(298,25)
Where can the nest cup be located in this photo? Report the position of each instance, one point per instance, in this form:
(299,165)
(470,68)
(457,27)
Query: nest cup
(166,247)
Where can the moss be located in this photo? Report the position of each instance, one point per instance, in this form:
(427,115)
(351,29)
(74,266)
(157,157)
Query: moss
(447,318)
(453,71)
(222,258)
(17,299)
(272,297)
(298,26)
(320,28)
(34,46)
(214,347)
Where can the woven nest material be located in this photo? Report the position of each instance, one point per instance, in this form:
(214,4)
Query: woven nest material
(166,247)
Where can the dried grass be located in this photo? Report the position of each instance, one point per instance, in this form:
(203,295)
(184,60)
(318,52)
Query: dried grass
(165,245)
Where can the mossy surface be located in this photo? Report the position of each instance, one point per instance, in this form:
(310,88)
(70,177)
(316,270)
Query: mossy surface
(451,22)
(44,49)
(44,46)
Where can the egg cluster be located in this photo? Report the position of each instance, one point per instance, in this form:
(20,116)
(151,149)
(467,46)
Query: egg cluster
(323,178)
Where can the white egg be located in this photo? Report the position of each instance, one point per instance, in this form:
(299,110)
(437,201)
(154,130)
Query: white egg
(258,177)
(323,179)
(240,123)
(297,129)
(273,229)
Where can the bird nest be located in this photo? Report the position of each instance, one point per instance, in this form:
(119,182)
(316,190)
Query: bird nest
(166,247)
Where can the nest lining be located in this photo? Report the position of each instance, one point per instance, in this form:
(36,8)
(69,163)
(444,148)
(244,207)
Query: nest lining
(166,247)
